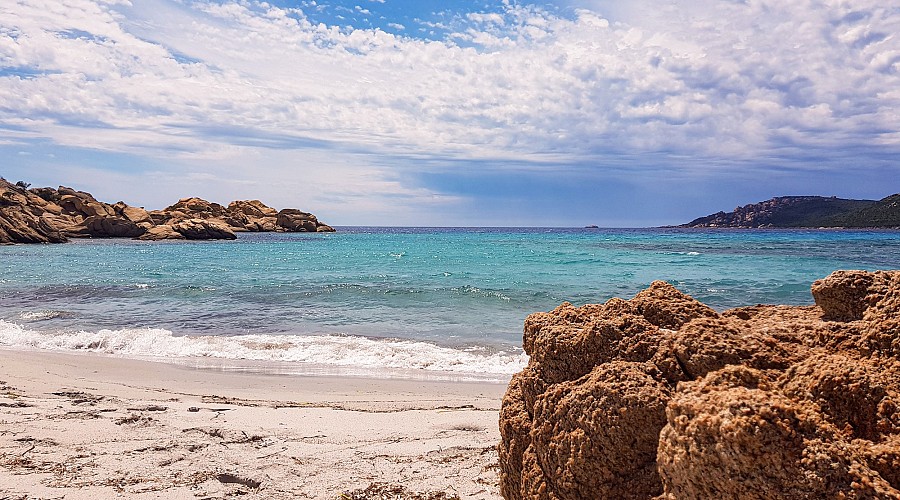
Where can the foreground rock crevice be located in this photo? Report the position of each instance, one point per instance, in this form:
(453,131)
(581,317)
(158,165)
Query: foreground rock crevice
(661,397)
(47,215)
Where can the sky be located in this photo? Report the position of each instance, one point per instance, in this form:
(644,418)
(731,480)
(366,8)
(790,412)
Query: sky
(457,112)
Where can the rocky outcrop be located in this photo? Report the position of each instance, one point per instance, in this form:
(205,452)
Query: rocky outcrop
(251,215)
(110,226)
(22,217)
(807,211)
(77,214)
(255,215)
(161,232)
(189,229)
(661,397)
(296,220)
(47,215)
(199,229)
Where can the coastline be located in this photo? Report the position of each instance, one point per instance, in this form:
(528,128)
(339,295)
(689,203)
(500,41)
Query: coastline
(89,426)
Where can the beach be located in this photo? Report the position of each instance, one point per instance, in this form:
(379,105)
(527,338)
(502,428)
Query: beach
(92,426)
(325,365)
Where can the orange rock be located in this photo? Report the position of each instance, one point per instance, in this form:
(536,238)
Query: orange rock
(758,402)
(44,215)
(161,232)
(21,217)
(200,229)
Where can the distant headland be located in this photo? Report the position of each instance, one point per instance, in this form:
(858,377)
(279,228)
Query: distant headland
(808,212)
(47,215)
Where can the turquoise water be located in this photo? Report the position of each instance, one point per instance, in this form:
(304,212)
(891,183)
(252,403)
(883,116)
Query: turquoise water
(414,300)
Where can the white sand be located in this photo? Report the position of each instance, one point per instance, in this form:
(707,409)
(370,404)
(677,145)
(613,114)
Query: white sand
(92,427)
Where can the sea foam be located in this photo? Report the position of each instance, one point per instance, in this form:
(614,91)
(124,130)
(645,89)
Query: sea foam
(42,315)
(359,353)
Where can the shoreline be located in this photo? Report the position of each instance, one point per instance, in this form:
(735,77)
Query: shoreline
(86,426)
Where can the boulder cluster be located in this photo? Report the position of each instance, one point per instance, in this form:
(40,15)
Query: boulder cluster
(661,397)
(47,215)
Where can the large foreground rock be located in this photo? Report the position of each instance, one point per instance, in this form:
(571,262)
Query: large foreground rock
(660,397)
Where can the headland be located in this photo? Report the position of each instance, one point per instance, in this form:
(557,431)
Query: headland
(807,212)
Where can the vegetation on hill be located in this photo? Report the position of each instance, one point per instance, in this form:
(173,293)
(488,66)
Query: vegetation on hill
(884,213)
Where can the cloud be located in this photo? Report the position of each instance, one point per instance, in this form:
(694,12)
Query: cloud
(587,85)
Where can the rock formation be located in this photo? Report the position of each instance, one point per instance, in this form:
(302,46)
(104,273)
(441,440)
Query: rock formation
(47,215)
(660,397)
(189,229)
(250,215)
(26,217)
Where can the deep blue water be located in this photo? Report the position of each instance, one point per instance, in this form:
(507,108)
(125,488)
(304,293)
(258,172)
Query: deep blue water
(434,299)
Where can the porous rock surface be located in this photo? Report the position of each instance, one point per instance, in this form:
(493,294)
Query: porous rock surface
(47,215)
(660,397)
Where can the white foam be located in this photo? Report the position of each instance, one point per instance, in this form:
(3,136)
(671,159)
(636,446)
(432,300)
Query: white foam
(333,350)
(40,315)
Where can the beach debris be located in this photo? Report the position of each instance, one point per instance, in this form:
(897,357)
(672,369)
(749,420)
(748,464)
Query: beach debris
(231,401)
(466,428)
(79,397)
(660,397)
(134,419)
(148,408)
(78,414)
(227,436)
(455,408)
(15,404)
(229,478)
(195,409)
(387,491)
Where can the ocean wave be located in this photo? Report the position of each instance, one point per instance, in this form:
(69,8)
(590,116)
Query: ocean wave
(324,350)
(480,292)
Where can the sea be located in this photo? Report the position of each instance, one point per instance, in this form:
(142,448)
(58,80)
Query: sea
(419,303)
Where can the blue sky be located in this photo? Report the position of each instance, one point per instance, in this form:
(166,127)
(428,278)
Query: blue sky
(390,112)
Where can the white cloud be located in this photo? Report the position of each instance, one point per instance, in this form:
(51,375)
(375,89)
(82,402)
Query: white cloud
(711,80)
(486,18)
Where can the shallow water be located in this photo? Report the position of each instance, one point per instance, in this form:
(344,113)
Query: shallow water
(432,301)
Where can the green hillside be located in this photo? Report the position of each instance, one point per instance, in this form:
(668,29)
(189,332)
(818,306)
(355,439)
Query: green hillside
(816,212)
(883,213)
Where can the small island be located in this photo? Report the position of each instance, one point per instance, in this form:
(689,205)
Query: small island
(48,215)
(807,212)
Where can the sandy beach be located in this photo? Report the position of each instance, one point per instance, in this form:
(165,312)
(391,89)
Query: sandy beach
(88,426)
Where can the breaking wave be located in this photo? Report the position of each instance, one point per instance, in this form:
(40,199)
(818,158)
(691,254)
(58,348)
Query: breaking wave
(358,353)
